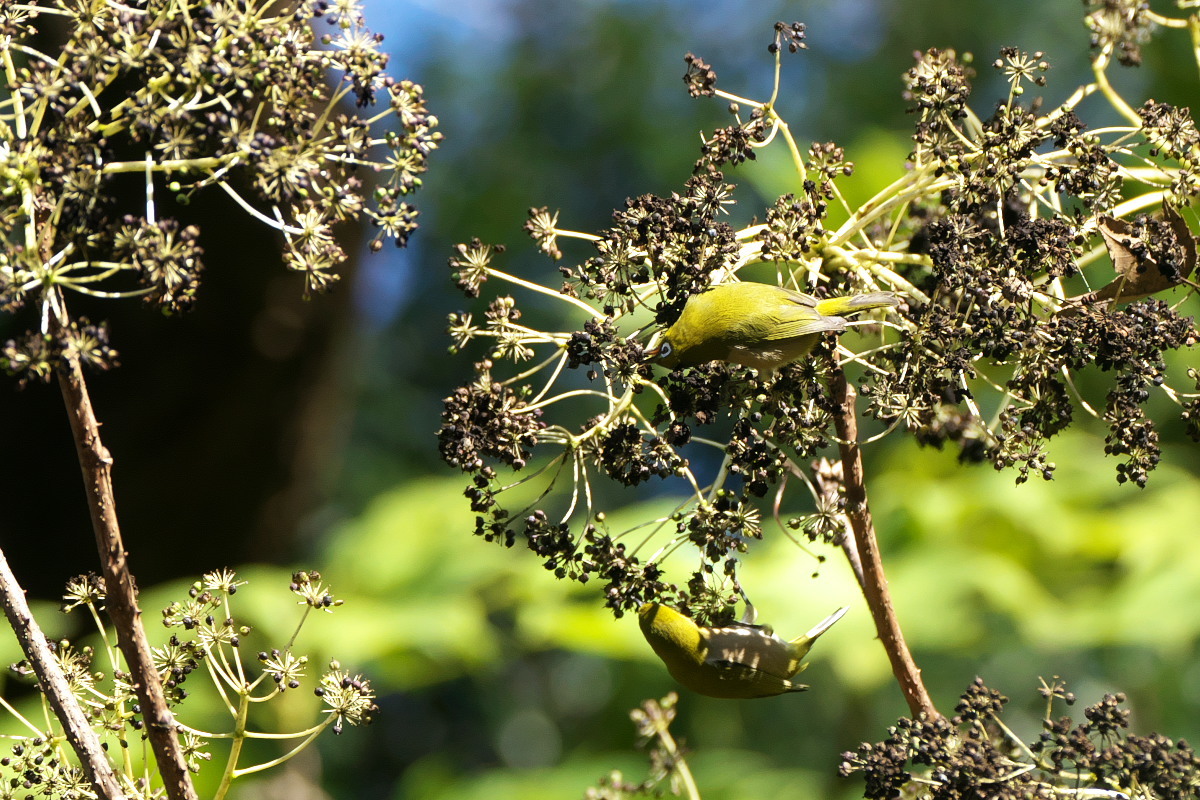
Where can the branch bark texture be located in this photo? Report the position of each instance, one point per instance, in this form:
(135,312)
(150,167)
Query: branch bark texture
(58,692)
(874,582)
(121,591)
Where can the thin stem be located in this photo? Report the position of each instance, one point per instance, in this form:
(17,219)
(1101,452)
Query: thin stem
(169,165)
(300,624)
(235,749)
(54,683)
(10,72)
(316,731)
(564,396)
(1194,32)
(109,647)
(533,287)
(18,716)
(587,237)
(96,464)
(793,150)
(679,764)
(1100,71)
(258,215)
(875,588)
(220,680)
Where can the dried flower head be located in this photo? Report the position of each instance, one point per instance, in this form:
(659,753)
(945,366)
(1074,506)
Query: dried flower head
(974,749)
(983,241)
(211,95)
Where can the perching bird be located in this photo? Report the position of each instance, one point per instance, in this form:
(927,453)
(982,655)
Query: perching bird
(734,661)
(756,324)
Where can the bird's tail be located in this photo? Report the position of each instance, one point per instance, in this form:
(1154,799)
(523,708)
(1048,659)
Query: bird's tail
(802,644)
(825,624)
(852,304)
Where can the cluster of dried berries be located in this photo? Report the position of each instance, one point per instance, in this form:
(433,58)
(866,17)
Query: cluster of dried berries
(208,94)
(1122,26)
(789,36)
(793,228)
(721,526)
(631,457)
(953,759)
(676,242)
(938,86)
(992,296)
(701,78)
(598,343)
(995,281)
(36,766)
(32,356)
(985,242)
(657,253)
(487,422)
(628,582)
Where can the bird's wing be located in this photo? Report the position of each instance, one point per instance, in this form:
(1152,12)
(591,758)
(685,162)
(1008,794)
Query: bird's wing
(752,647)
(743,673)
(797,315)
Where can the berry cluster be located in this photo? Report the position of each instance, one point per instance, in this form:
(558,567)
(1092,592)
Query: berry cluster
(1007,329)
(954,759)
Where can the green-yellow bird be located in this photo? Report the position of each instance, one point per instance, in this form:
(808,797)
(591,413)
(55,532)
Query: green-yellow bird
(734,661)
(756,324)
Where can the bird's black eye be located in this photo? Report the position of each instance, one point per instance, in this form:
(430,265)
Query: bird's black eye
(664,350)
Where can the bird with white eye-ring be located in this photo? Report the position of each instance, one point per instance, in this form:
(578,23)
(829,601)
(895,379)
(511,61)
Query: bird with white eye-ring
(739,660)
(756,325)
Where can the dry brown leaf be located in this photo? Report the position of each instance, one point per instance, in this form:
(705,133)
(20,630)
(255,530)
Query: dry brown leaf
(1144,266)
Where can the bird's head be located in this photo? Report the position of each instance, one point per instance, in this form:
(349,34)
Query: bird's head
(662,623)
(667,352)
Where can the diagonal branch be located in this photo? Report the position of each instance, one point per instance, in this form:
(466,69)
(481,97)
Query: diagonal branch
(874,582)
(121,592)
(54,683)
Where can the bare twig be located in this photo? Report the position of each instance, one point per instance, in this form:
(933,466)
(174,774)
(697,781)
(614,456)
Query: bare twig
(874,583)
(121,592)
(54,683)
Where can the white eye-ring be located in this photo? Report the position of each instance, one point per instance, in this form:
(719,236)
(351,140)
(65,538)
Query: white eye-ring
(664,350)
